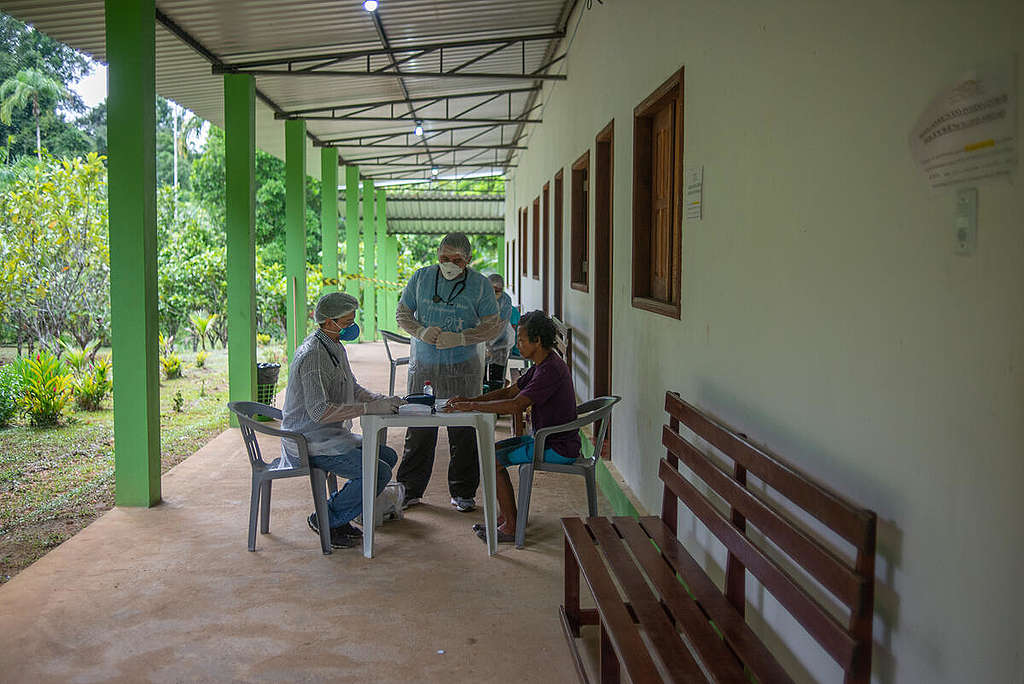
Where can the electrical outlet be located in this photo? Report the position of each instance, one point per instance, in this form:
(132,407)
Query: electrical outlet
(965,221)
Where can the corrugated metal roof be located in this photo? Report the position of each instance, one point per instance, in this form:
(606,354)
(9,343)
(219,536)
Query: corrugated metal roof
(440,212)
(236,32)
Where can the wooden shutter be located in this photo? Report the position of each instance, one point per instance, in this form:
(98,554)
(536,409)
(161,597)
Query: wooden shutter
(662,163)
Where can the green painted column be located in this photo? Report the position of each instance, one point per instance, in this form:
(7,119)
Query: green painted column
(369,262)
(240,203)
(382,263)
(352,234)
(501,256)
(295,230)
(131,202)
(391,245)
(329,214)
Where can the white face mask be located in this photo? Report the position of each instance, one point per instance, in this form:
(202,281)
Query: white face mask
(450,271)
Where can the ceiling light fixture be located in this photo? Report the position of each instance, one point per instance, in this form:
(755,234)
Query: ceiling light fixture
(370,5)
(433,171)
(419,129)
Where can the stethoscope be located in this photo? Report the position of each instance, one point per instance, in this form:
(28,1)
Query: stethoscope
(458,287)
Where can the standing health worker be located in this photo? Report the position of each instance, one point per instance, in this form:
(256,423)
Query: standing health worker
(450,311)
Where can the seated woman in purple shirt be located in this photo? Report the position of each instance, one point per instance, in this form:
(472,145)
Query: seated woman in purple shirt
(547,387)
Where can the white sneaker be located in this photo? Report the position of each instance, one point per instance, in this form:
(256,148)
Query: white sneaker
(463,504)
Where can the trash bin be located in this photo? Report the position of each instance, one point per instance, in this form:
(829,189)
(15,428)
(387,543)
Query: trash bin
(266,382)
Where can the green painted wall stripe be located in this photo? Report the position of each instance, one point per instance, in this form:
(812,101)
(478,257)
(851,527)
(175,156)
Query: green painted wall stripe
(131,198)
(240,196)
(329,213)
(369,264)
(606,482)
(295,230)
(352,233)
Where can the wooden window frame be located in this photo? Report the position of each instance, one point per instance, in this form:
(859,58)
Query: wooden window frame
(643,114)
(536,238)
(579,235)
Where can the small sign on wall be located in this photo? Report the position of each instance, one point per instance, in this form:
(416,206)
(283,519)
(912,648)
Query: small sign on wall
(693,178)
(969,131)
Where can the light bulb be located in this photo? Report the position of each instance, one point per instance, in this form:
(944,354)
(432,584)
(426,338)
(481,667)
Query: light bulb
(370,5)
(433,171)
(419,129)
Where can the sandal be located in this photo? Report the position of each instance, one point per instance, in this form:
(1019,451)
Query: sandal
(503,537)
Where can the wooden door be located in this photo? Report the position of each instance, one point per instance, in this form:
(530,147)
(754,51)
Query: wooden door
(603,261)
(557,277)
(545,249)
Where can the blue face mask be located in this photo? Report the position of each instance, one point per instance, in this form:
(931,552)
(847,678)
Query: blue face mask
(350,333)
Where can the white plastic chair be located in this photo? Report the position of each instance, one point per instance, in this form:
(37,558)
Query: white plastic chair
(394,338)
(263,473)
(597,410)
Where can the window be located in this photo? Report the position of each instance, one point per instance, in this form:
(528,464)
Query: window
(579,240)
(536,239)
(657,199)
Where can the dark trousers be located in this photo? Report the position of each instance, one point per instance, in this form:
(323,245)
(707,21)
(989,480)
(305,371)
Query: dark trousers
(418,461)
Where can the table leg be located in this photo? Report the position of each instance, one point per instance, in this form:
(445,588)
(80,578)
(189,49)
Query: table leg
(485,450)
(370,449)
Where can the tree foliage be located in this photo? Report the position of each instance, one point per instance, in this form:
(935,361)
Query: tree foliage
(54,257)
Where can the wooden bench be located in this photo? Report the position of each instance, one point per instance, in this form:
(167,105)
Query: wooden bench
(658,628)
(563,345)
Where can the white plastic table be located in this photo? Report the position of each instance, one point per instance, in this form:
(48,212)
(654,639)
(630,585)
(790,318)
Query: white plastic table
(372,426)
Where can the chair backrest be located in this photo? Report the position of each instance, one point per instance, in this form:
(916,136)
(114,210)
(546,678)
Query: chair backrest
(563,342)
(246,411)
(780,517)
(597,411)
(389,338)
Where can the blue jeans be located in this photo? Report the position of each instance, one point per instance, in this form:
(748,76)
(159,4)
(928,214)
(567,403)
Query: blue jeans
(347,502)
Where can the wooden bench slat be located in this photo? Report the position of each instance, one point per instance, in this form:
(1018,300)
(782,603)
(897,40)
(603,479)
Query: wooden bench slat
(615,619)
(821,563)
(660,631)
(718,660)
(853,524)
(740,637)
(826,630)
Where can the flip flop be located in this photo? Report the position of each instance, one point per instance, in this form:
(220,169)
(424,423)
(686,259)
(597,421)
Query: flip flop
(503,537)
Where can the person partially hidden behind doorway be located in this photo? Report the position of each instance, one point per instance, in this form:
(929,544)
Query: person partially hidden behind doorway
(547,387)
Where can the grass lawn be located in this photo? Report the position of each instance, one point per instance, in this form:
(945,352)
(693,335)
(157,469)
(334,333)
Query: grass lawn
(55,481)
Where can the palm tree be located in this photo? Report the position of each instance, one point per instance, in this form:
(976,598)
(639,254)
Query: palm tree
(28,85)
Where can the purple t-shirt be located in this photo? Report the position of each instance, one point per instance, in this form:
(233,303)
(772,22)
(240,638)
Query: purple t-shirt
(549,387)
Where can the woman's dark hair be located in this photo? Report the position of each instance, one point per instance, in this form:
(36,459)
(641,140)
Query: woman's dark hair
(539,327)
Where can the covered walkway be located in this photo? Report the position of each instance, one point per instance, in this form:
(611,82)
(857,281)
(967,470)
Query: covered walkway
(170,593)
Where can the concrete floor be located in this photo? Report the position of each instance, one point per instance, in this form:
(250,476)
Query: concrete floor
(171,594)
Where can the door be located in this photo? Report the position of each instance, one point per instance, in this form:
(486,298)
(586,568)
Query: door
(545,250)
(603,262)
(557,277)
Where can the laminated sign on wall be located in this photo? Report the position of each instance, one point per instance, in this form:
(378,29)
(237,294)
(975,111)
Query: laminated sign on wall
(968,132)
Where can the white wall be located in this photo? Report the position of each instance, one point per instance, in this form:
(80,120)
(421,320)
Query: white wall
(824,310)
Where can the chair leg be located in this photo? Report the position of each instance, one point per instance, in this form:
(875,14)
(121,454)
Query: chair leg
(265,506)
(318,483)
(523,514)
(254,509)
(332,483)
(391,386)
(591,479)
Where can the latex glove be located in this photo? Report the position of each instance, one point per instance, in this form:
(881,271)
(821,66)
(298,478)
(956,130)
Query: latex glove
(430,335)
(382,407)
(448,340)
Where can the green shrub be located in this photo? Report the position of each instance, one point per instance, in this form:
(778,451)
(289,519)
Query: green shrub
(179,402)
(201,358)
(262,339)
(171,365)
(46,389)
(92,388)
(10,390)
